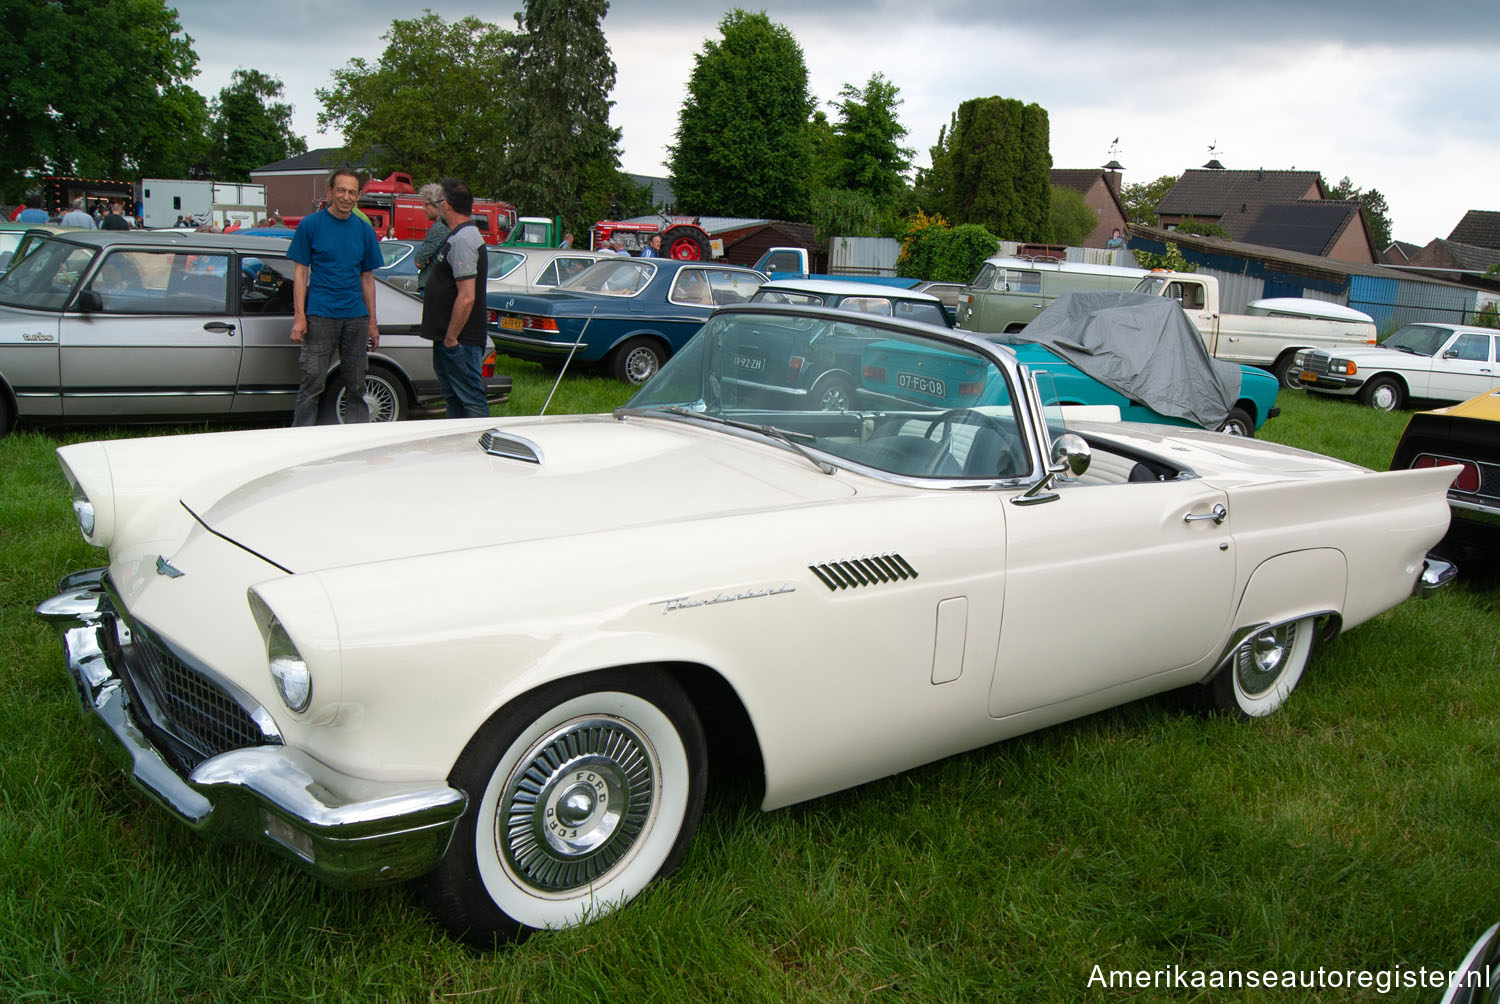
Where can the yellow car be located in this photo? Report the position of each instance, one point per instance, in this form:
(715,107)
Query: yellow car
(1466,434)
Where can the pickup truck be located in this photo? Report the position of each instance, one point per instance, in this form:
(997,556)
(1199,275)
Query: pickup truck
(1269,340)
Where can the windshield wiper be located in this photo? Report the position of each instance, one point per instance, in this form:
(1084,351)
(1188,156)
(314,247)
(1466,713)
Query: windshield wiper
(786,436)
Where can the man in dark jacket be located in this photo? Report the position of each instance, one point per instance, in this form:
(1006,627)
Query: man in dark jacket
(453,306)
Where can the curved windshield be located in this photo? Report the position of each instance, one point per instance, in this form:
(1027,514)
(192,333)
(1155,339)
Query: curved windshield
(1418,338)
(878,397)
(622,277)
(46,277)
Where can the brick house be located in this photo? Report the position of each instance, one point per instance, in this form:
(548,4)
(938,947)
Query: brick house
(297,185)
(1284,209)
(1100,188)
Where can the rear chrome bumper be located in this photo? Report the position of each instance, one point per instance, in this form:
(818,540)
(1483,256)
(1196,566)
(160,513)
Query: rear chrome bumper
(1436,573)
(348,831)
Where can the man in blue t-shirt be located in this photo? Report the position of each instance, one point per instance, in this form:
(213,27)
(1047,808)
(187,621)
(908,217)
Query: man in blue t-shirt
(336,254)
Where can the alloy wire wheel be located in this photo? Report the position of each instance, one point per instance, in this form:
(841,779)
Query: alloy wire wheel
(382,396)
(580,795)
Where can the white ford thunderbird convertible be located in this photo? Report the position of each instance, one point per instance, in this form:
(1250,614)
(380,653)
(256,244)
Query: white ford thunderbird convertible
(522,712)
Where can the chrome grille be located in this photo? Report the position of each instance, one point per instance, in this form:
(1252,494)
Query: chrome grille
(869,571)
(1315,362)
(198,716)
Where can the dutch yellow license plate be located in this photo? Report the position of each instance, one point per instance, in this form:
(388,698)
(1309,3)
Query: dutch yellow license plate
(1309,375)
(511,323)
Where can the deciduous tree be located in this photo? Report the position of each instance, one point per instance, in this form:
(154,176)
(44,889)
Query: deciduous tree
(251,127)
(868,155)
(435,104)
(1072,219)
(1140,199)
(91,87)
(742,135)
(1375,207)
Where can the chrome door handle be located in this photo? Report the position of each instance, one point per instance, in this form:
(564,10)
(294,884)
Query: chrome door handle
(1218,514)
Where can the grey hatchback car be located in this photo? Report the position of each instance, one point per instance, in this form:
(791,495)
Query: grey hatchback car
(122,326)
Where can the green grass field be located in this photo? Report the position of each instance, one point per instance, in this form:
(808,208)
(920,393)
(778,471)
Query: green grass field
(1354,830)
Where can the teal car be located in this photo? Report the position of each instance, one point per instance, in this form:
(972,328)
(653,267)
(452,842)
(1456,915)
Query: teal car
(921,374)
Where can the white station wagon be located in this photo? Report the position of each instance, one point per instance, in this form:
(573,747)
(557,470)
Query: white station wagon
(521,712)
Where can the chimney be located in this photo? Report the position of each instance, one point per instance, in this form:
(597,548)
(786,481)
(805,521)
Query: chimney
(1112,176)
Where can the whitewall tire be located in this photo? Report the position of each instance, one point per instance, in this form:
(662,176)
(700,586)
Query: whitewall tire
(581,794)
(1265,669)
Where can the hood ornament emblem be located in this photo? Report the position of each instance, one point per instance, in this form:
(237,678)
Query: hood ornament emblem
(165,567)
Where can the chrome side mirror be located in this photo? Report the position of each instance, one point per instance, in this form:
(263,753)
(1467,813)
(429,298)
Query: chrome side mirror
(1070,455)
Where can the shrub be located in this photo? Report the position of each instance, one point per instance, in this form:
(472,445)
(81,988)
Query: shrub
(1170,258)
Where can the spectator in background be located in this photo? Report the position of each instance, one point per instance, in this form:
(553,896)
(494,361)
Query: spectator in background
(33,213)
(333,299)
(567,241)
(115,220)
(1116,242)
(437,232)
(653,249)
(453,313)
(78,216)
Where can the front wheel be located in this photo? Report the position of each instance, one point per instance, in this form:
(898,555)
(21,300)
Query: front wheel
(1384,392)
(636,361)
(1238,423)
(1264,670)
(580,794)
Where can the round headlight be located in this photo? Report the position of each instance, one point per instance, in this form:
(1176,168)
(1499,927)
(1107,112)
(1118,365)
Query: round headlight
(292,677)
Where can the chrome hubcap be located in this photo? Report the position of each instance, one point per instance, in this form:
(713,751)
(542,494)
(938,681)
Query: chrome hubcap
(1385,398)
(1262,660)
(576,804)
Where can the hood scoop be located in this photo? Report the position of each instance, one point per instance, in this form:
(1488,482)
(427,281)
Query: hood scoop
(510,446)
(871,571)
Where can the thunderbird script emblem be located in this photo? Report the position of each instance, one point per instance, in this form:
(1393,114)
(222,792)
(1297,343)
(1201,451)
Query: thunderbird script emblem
(165,567)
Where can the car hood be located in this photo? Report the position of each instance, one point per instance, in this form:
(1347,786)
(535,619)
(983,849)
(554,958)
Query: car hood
(1373,354)
(444,492)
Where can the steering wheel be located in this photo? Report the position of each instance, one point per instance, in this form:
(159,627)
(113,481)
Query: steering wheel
(1007,460)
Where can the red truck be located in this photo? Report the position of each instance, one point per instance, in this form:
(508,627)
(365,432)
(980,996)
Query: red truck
(395,210)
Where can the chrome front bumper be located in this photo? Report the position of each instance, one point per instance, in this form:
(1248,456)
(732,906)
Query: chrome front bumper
(348,831)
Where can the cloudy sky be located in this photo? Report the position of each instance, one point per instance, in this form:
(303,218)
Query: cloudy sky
(1399,96)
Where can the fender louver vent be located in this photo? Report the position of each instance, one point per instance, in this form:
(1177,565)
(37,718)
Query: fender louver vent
(863,571)
(498,444)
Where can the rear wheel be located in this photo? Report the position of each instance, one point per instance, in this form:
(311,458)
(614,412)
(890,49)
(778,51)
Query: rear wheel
(834,391)
(1238,423)
(685,244)
(636,361)
(1384,392)
(580,795)
(1264,670)
(384,396)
